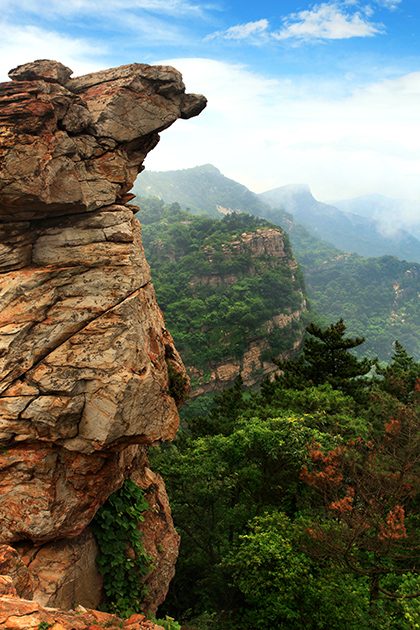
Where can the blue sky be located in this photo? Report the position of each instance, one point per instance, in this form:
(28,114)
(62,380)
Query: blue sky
(325,93)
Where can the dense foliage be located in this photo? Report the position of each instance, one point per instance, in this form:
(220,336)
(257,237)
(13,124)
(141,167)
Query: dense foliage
(215,294)
(299,505)
(122,559)
(377,297)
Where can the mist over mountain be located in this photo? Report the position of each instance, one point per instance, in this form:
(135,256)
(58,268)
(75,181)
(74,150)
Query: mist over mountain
(390,214)
(351,232)
(205,190)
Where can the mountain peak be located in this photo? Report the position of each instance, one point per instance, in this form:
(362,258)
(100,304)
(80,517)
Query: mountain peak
(289,197)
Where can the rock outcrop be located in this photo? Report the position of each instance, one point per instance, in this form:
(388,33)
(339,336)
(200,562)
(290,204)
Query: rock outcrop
(268,250)
(84,353)
(21,614)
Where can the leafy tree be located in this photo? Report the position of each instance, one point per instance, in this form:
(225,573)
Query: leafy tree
(298,507)
(220,474)
(285,589)
(364,514)
(243,458)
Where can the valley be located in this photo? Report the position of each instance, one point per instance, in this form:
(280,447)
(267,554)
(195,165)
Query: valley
(231,291)
(377,296)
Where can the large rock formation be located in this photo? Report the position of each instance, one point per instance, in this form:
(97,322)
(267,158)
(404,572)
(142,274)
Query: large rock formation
(84,352)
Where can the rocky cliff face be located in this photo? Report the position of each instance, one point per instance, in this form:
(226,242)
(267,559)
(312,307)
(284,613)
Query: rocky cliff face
(267,248)
(84,352)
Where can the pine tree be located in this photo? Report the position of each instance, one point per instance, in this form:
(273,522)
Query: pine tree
(326,358)
(400,377)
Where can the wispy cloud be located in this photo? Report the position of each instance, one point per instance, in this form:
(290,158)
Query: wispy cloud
(389,4)
(337,19)
(156,22)
(99,7)
(242,31)
(328,21)
(20,44)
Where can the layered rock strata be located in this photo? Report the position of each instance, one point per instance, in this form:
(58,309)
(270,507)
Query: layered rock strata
(268,250)
(84,352)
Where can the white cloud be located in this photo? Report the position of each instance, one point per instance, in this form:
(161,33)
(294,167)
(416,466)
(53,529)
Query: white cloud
(156,21)
(242,31)
(97,7)
(388,4)
(328,21)
(19,45)
(268,133)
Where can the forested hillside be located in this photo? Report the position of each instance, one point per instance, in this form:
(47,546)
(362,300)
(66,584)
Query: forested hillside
(230,290)
(298,506)
(377,297)
(204,190)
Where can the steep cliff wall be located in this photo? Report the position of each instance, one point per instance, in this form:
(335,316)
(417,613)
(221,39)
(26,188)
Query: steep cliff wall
(84,351)
(231,291)
(268,251)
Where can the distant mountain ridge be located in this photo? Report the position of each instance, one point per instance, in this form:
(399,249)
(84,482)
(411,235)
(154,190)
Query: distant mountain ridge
(345,230)
(377,297)
(205,190)
(390,213)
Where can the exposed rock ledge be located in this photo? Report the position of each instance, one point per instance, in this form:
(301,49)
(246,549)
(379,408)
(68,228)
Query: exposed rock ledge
(84,352)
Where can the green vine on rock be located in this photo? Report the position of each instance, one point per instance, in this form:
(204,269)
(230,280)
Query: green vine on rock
(122,559)
(178,385)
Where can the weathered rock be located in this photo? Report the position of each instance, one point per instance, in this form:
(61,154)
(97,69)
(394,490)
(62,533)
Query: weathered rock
(42,69)
(79,146)
(160,540)
(50,492)
(6,586)
(64,571)
(84,340)
(84,352)
(61,572)
(21,614)
(19,578)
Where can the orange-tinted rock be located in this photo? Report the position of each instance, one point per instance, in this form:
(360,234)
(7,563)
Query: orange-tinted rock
(79,146)
(7,588)
(84,351)
(50,492)
(64,571)
(21,614)
(134,619)
(12,567)
(160,539)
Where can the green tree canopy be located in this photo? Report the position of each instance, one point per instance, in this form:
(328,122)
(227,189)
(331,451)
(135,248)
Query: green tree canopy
(326,358)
